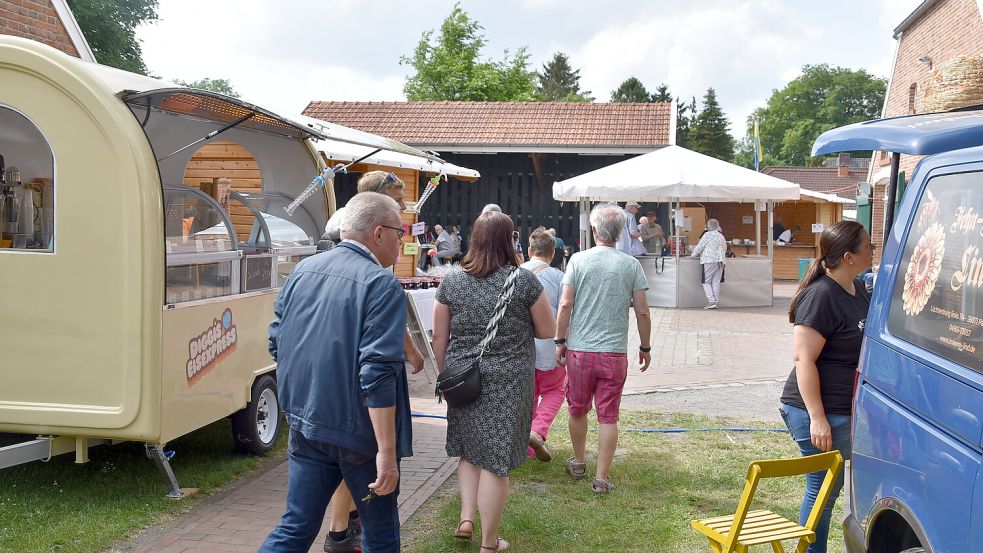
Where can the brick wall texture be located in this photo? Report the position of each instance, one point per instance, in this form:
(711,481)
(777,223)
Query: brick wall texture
(36,20)
(948,29)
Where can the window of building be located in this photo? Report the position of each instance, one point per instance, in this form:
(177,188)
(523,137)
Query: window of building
(27,171)
(912,96)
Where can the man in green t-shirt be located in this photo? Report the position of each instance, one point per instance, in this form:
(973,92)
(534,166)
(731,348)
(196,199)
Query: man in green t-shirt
(592,337)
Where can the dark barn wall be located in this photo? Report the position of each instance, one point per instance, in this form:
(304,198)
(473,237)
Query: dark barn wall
(509,180)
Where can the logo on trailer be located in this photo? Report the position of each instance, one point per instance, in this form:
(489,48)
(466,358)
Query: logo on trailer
(209,348)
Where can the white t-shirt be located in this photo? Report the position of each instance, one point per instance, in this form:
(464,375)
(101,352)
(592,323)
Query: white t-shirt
(785,236)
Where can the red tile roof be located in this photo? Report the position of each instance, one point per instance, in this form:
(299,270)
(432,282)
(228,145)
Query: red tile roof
(505,123)
(821,179)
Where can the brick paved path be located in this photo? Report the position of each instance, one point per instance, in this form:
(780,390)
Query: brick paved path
(240,518)
(691,348)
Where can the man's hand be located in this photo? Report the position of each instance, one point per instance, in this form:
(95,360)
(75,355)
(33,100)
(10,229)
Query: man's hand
(387,473)
(644,359)
(561,355)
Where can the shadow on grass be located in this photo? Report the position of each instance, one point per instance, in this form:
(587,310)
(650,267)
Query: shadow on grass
(61,506)
(663,481)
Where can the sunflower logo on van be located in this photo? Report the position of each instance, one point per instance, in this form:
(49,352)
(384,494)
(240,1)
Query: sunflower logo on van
(208,349)
(923,269)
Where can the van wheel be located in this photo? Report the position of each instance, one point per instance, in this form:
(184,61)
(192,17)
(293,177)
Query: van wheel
(257,427)
(914,550)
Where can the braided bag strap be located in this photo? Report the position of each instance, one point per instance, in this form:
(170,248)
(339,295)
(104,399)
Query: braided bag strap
(508,290)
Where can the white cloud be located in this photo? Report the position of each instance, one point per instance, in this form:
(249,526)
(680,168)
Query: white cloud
(284,54)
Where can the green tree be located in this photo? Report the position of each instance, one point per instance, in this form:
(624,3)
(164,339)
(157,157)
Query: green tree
(708,134)
(632,90)
(685,115)
(448,66)
(108,26)
(662,94)
(820,99)
(558,82)
(222,86)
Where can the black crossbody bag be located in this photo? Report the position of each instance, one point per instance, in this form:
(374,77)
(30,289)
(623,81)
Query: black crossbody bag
(463,387)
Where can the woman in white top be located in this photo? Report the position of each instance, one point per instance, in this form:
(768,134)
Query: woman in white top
(712,249)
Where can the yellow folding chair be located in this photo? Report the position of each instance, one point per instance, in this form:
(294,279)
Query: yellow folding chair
(743,529)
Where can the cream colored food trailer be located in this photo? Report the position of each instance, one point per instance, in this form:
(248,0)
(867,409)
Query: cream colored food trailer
(134,306)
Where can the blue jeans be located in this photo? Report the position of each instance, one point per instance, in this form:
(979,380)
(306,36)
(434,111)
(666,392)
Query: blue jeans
(316,469)
(797,421)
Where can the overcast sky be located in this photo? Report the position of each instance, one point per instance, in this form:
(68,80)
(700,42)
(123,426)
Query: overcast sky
(282,54)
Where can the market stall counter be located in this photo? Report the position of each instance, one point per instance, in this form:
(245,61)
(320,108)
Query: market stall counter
(679,282)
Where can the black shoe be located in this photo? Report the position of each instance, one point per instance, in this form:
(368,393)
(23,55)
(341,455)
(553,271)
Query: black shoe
(351,543)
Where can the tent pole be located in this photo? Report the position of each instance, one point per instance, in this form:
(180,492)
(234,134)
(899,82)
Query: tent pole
(770,233)
(675,226)
(584,223)
(757,229)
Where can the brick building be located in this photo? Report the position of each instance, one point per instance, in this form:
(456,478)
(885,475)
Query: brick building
(936,32)
(48,21)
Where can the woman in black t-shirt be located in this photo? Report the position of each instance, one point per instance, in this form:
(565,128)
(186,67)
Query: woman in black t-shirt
(829,311)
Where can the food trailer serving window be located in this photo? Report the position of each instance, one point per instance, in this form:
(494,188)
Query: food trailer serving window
(26,187)
(292,237)
(201,247)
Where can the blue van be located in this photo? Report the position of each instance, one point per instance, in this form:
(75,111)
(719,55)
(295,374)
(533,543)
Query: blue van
(915,483)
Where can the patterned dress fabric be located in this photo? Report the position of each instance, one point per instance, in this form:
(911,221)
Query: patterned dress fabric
(493,432)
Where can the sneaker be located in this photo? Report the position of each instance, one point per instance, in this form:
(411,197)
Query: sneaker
(351,543)
(711,306)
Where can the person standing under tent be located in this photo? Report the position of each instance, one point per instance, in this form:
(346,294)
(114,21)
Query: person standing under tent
(712,251)
(630,240)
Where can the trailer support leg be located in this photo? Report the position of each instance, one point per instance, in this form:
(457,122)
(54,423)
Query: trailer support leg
(156,453)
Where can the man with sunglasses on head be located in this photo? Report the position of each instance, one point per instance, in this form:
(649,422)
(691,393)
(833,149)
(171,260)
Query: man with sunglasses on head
(345,527)
(345,399)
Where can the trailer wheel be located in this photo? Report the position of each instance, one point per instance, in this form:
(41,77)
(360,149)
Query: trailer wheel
(257,427)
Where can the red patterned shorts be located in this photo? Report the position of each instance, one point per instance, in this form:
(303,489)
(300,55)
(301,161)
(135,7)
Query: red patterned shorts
(596,377)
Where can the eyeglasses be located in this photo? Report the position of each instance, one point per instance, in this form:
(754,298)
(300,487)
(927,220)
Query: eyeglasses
(399,231)
(390,178)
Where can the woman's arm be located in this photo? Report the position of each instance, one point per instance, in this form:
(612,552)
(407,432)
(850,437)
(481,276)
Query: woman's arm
(543,323)
(441,333)
(807,344)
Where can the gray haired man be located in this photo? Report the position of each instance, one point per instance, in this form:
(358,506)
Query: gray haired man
(592,338)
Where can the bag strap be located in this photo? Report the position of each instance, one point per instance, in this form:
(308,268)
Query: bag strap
(540,268)
(503,302)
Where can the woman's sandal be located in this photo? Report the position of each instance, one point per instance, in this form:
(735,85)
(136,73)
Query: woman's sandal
(599,485)
(576,470)
(538,445)
(498,545)
(461,534)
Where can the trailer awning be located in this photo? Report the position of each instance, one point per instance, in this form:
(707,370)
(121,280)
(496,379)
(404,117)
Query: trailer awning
(334,151)
(925,134)
(141,92)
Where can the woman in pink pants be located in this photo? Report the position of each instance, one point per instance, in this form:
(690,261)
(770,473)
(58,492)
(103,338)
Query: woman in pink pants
(551,380)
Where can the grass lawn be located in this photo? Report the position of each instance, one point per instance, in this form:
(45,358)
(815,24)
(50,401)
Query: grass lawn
(663,481)
(61,506)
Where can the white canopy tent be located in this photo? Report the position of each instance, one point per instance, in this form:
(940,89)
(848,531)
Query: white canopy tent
(672,174)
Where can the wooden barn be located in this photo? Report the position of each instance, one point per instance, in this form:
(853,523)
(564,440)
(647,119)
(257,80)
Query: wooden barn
(520,149)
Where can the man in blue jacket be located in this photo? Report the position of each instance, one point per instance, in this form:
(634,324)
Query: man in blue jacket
(337,337)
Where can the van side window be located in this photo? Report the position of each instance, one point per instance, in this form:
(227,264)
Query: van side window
(940,279)
(27,171)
